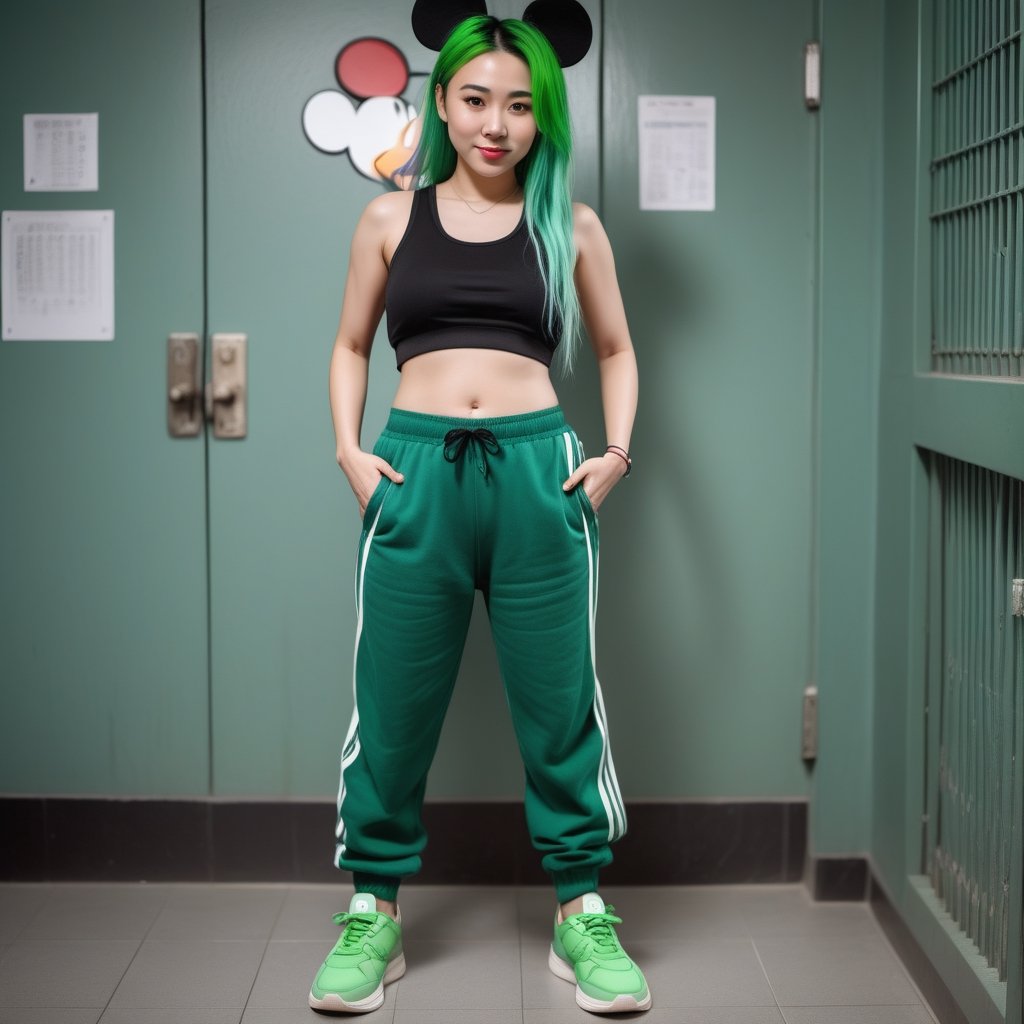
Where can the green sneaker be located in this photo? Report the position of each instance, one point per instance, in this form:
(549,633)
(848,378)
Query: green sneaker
(586,950)
(367,957)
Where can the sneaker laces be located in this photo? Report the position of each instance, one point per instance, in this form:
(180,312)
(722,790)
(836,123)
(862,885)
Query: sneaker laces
(357,926)
(599,928)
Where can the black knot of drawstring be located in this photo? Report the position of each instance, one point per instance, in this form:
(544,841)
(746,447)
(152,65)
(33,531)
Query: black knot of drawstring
(456,441)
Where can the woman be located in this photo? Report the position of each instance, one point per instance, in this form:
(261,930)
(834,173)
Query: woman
(477,482)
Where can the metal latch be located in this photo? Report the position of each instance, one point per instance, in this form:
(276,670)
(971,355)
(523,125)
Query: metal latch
(226,393)
(184,408)
(809,725)
(812,75)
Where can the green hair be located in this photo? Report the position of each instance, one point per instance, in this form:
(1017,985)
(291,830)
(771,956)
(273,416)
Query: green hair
(545,173)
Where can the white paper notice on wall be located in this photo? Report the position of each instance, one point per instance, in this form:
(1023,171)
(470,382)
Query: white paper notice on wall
(677,152)
(61,152)
(57,275)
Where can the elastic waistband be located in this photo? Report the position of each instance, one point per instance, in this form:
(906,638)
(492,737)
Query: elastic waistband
(421,426)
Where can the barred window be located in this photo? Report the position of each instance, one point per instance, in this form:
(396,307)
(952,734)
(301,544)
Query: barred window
(977,209)
(976,665)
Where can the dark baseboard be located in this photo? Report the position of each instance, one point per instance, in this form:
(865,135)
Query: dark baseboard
(837,878)
(667,843)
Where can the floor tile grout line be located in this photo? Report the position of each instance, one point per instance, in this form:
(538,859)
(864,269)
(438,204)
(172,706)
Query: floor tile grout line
(128,966)
(277,917)
(397,985)
(519,934)
(771,987)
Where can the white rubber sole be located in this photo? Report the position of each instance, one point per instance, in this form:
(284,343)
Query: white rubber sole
(620,1004)
(333,1002)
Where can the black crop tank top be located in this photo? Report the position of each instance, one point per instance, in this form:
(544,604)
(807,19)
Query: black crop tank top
(446,293)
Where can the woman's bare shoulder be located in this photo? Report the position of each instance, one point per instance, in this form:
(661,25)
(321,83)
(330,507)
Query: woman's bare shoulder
(583,215)
(389,204)
(386,217)
(382,212)
(587,227)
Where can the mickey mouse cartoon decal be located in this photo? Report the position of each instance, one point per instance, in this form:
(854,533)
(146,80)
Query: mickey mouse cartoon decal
(380,134)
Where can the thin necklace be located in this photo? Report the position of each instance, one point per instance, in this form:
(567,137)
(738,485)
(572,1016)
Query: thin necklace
(491,207)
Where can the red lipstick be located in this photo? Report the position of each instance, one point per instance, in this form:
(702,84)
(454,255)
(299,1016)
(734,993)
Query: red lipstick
(492,154)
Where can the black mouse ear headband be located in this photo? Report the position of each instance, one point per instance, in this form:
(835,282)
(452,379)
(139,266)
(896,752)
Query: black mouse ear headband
(565,24)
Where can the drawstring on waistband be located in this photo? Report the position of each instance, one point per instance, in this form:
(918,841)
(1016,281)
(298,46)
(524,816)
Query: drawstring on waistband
(456,441)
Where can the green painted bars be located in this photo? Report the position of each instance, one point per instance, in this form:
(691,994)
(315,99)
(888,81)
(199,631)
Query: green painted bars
(977,209)
(976,659)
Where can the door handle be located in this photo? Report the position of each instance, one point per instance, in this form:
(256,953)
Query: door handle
(227,393)
(184,414)
(222,401)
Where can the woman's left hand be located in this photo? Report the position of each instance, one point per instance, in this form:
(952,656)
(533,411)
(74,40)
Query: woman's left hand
(597,477)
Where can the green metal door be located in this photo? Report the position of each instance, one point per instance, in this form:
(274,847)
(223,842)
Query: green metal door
(709,552)
(282,524)
(103,624)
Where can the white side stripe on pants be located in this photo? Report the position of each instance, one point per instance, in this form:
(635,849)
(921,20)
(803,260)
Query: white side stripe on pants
(607,784)
(352,738)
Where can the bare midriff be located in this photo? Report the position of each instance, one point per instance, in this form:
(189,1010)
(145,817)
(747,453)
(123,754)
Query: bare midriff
(474,382)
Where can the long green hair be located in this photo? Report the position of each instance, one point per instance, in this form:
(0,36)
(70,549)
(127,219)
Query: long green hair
(545,173)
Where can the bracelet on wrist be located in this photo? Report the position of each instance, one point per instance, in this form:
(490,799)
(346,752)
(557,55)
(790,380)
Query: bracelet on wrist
(622,454)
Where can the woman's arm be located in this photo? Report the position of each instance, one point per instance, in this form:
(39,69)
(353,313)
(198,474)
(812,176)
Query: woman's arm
(361,310)
(605,319)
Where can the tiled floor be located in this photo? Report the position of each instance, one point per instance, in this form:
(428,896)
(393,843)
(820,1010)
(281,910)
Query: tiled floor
(245,954)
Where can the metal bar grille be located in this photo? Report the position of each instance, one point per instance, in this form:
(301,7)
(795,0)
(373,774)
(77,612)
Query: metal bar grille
(977,194)
(979,803)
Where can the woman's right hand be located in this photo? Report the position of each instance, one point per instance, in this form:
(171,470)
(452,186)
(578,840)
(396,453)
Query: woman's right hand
(364,470)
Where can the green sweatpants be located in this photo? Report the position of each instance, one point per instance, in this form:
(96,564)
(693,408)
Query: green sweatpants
(481,508)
